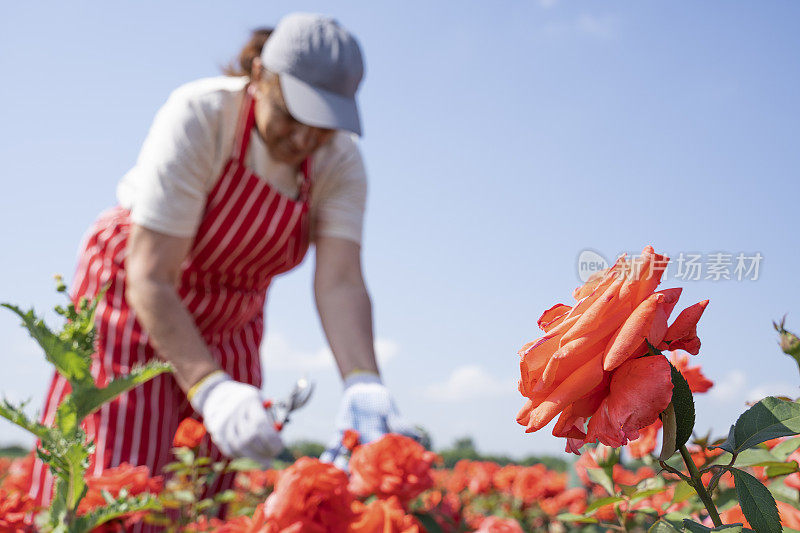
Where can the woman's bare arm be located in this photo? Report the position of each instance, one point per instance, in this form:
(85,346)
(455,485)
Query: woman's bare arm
(153,264)
(344,305)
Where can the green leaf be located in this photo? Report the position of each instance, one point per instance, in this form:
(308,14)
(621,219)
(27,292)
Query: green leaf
(645,494)
(750,457)
(694,527)
(783,450)
(757,503)
(184,455)
(15,415)
(185,496)
(662,526)
(683,403)
(601,477)
(89,400)
(428,522)
(76,457)
(225,496)
(669,432)
(768,419)
(782,493)
(243,464)
(683,491)
(114,510)
(597,504)
(779,469)
(569,517)
(67,416)
(70,360)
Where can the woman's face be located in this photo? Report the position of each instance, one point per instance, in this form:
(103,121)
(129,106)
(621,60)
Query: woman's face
(287,140)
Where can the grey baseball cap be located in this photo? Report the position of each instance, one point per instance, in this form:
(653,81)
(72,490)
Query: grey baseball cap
(320,67)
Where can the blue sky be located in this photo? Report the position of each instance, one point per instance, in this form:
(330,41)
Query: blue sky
(501,139)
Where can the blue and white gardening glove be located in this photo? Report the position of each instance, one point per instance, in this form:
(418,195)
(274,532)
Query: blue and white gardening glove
(367,407)
(235,417)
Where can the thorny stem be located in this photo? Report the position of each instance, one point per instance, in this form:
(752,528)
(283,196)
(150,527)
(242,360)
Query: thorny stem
(621,518)
(697,484)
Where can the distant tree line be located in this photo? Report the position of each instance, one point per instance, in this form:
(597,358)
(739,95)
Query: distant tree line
(463,448)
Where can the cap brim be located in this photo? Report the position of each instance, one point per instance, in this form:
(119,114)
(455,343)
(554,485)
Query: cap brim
(318,107)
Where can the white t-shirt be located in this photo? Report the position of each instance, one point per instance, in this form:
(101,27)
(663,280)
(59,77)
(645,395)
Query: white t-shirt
(189,143)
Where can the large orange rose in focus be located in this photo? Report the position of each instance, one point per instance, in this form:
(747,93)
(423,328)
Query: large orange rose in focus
(592,364)
(394,465)
(310,496)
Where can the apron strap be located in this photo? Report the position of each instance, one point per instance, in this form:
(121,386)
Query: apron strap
(244,125)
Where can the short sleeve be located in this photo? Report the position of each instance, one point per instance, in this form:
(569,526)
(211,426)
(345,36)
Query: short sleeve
(343,196)
(168,186)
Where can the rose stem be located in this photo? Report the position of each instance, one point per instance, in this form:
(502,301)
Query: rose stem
(697,484)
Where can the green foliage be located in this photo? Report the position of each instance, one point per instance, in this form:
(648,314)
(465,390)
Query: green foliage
(757,503)
(662,526)
(63,446)
(305,448)
(428,522)
(14,451)
(464,448)
(116,508)
(602,478)
(768,419)
(694,527)
(683,403)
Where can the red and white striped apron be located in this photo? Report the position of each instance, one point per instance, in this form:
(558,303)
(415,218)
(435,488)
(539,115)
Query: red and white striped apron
(249,233)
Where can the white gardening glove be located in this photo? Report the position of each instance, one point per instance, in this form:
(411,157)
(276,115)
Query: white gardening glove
(235,417)
(367,407)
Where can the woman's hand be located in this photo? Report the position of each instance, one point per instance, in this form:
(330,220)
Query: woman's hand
(153,267)
(235,417)
(369,408)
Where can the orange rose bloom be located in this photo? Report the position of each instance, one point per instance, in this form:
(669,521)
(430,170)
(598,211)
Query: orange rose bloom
(256,480)
(646,442)
(495,524)
(692,374)
(592,363)
(394,465)
(189,434)
(444,507)
(14,508)
(571,500)
(504,478)
(475,476)
(17,474)
(535,482)
(310,496)
(135,479)
(386,516)
(350,439)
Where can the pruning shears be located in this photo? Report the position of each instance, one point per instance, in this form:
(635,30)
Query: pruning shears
(299,396)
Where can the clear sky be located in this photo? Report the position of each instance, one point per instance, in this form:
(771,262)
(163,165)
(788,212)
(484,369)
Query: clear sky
(501,140)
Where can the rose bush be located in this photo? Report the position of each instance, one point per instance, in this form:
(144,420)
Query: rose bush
(394,465)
